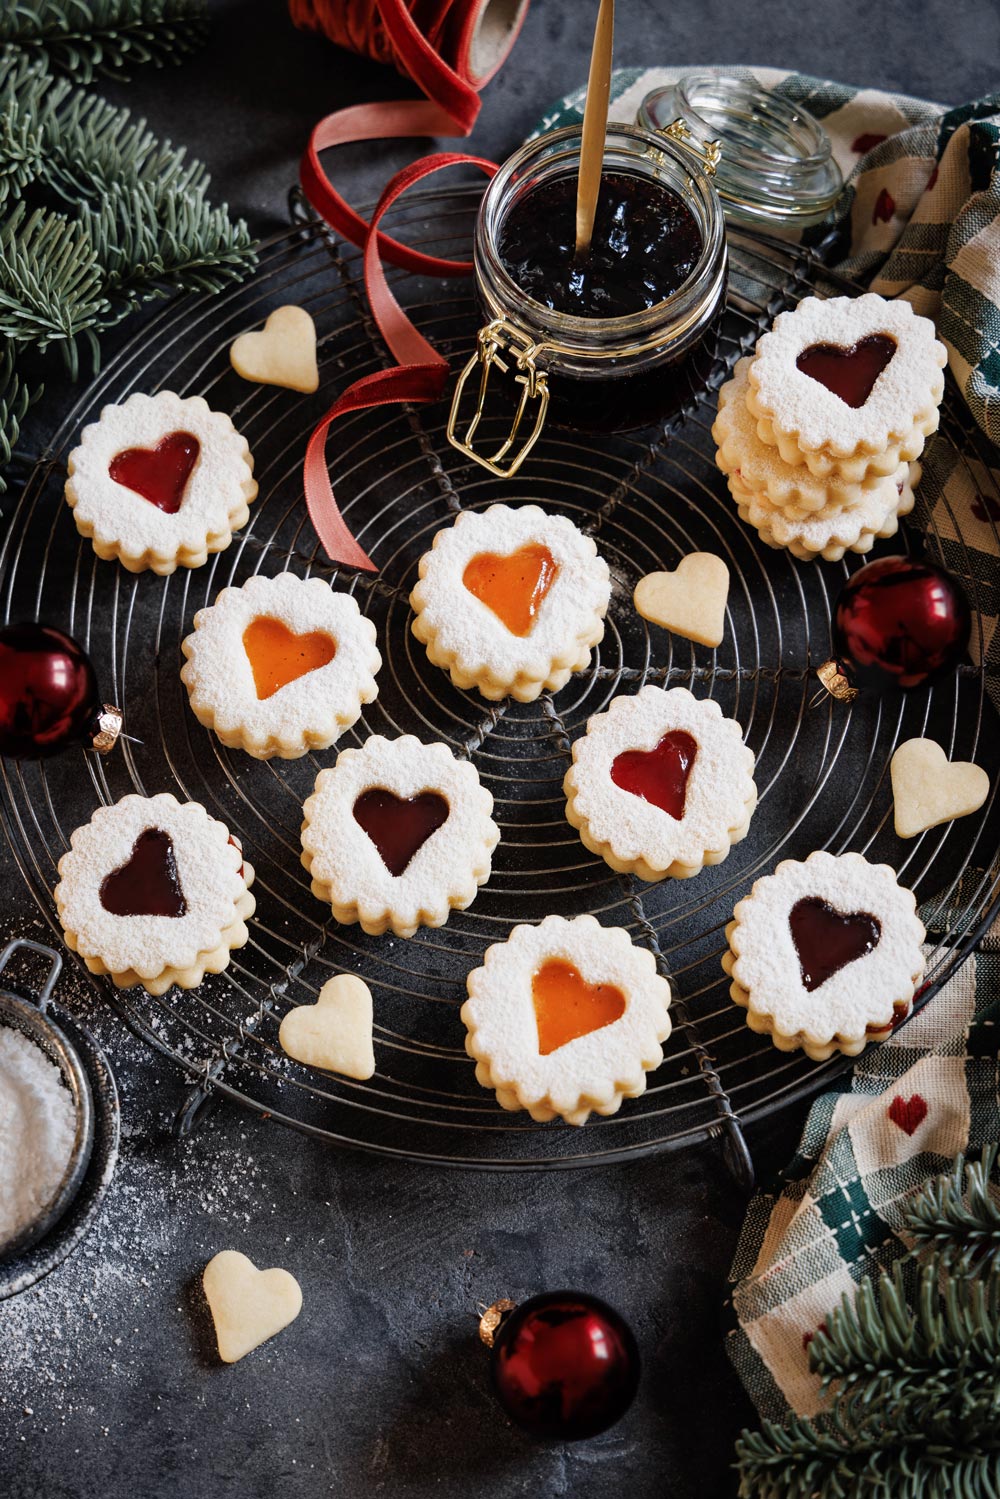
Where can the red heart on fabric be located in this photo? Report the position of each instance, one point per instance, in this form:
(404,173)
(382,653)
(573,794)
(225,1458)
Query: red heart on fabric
(908,1113)
(159,474)
(865,143)
(885,207)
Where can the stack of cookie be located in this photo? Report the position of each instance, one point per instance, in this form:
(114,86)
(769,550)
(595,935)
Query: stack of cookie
(819,431)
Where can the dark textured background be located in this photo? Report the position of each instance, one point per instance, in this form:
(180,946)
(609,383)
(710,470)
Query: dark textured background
(108,1388)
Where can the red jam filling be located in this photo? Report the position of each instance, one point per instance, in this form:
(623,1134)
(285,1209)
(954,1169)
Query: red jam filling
(278,656)
(659,775)
(826,941)
(399,826)
(514,587)
(148,883)
(848,373)
(567,1007)
(159,474)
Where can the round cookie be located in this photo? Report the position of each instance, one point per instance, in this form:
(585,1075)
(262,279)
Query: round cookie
(280,666)
(661,784)
(160,482)
(398,835)
(760,468)
(511,601)
(155,892)
(829,534)
(566,1018)
(825,954)
(847,385)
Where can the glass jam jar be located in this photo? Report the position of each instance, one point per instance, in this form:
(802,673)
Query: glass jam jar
(594,373)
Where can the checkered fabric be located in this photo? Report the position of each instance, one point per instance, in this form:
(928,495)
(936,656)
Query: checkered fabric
(919,217)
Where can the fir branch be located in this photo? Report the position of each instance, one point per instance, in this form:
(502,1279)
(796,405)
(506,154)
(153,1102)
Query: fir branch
(87,38)
(50,283)
(20,145)
(148,248)
(801,1460)
(15,398)
(958,1216)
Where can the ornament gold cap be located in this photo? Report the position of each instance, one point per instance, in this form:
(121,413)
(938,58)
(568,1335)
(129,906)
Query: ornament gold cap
(491,1319)
(832,675)
(107,727)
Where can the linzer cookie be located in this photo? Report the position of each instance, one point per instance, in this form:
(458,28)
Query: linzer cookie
(825,955)
(831,532)
(398,835)
(661,784)
(154,892)
(566,1018)
(511,601)
(758,466)
(160,482)
(280,666)
(848,385)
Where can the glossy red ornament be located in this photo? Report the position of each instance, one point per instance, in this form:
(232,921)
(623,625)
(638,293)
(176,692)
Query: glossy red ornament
(49,698)
(900,621)
(565,1365)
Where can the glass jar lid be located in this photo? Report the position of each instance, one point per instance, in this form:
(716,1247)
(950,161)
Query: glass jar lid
(777,165)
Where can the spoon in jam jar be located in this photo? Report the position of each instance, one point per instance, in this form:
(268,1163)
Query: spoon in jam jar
(595,127)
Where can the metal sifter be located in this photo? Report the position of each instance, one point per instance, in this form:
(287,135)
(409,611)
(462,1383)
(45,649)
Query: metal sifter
(31,1018)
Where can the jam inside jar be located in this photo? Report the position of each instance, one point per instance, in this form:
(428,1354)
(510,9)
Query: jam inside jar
(621,338)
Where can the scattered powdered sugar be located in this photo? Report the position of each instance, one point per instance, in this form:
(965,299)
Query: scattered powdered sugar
(37,1131)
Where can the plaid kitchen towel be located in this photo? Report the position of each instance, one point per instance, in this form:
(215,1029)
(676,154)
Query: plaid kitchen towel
(919,217)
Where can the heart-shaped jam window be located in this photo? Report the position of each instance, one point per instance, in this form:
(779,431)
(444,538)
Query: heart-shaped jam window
(514,587)
(159,474)
(278,656)
(397,825)
(848,373)
(826,940)
(659,775)
(147,884)
(567,1007)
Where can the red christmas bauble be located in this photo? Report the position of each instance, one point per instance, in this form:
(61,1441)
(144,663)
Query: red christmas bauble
(565,1366)
(49,698)
(900,621)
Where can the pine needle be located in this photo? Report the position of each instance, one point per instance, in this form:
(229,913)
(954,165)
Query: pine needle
(88,38)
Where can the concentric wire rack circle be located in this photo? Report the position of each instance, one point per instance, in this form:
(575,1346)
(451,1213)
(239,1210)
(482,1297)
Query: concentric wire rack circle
(822,769)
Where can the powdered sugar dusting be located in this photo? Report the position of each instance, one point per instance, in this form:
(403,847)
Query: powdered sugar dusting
(860,995)
(37,1131)
(803,409)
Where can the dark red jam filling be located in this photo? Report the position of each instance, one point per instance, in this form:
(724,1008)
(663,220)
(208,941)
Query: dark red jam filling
(399,826)
(148,883)
(646,244)
(659,775)
(826,940)
(848,373)
(159,474)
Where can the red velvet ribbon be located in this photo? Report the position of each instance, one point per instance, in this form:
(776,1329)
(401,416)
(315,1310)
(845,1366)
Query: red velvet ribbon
(389,31)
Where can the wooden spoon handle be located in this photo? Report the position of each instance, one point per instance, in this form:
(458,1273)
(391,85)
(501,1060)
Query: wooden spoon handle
(595,126)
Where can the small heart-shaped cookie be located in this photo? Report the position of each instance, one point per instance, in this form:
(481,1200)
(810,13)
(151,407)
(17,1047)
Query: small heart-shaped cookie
(336,1032)
(928,788)
(690,601)
(248,1305)
(283,352)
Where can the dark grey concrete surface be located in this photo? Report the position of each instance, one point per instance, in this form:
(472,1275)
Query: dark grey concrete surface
(108,1387)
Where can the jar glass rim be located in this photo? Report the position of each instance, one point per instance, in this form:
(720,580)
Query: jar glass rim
(645,146)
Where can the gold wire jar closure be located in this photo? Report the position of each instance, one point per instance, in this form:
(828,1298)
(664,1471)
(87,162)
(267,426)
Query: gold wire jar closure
(592,374)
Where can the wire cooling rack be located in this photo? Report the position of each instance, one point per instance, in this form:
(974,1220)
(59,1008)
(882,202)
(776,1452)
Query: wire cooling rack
(822,769)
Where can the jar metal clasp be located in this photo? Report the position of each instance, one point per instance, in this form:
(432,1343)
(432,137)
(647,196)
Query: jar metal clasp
(494,340)
(710,152)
